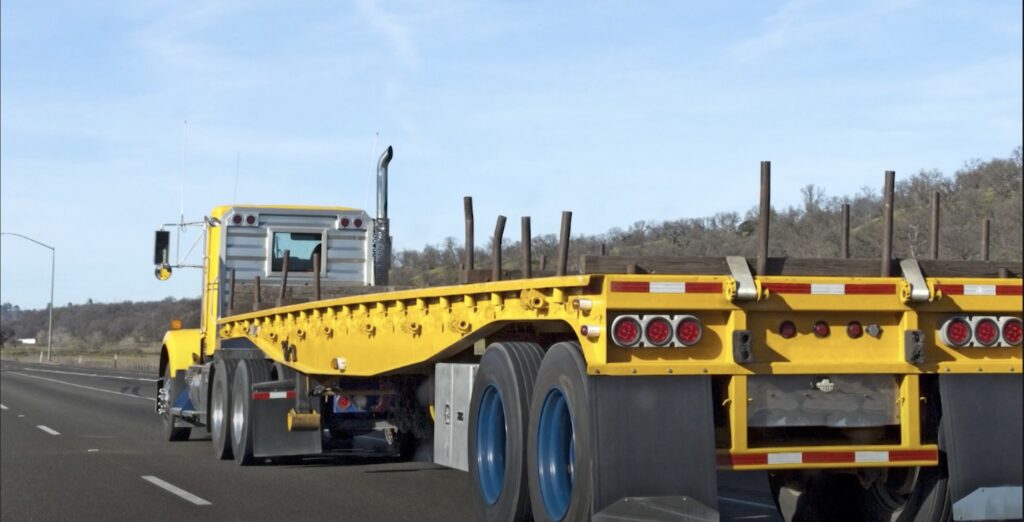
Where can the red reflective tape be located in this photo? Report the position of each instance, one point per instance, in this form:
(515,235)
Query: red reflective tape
(828,457)
(905,455)
(871,289)
(1008,289)
(703,288)
(263,396)
(951,289)
(631,286)
(789,288)
(746,460)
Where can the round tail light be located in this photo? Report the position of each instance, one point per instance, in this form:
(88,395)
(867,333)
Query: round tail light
(250,220)
(1013,331)
(787,329)
(854,330)
(236,219)
(358,223)
(956,332)
(345,222)
(626,331)
(986,332)
(689,331)
(658,331)
(821,329)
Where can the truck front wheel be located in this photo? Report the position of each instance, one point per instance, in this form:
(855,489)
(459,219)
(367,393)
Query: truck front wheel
(167,395)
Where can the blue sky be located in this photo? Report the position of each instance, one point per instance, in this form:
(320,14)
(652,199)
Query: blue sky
(618,111)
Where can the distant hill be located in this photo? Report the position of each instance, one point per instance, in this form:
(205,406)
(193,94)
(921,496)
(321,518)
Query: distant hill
(981,189)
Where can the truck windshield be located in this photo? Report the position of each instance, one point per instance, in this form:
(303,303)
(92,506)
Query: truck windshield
(300,246)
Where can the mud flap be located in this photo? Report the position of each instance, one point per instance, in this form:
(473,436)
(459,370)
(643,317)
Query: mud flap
(982,430)
(270,435)
(653,437)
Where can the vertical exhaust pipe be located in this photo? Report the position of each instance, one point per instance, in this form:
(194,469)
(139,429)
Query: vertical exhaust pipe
(381,229)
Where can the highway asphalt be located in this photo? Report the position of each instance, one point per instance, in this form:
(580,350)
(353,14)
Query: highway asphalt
(84,444)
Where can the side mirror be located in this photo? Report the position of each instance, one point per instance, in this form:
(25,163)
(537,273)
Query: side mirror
(161,255)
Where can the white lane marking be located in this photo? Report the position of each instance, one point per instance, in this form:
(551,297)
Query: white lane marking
(93,450)
(747,502)
(86,387)
(91,375)
(49,430)
(176,490)
(2,407)
(20,416)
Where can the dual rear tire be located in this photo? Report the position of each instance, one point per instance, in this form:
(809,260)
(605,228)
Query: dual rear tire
(524,444)
(230,416)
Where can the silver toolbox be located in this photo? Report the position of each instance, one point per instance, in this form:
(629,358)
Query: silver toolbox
(453,389)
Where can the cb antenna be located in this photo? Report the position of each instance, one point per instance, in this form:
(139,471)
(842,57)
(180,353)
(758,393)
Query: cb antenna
(181,209)
(238,159)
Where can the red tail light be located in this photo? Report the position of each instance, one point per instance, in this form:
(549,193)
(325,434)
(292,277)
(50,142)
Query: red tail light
(787,329)
(821,329)
(689,331)
(236,219)
(250,220)
(626,331)
(956,332)
(358,223)
(854,330)
(658,331)
(986,332)
(1012,331)
(344,222)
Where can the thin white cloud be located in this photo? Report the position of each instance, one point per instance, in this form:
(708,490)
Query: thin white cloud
(398,36)
(813,22)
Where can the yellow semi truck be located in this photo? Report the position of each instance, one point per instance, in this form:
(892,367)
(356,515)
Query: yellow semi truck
(869,389)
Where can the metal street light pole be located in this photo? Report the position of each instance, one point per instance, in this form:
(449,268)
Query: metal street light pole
(53,269)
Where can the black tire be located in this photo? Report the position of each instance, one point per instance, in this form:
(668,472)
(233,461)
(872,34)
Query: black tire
(171,433)
(507,371)
(220,407)
(901,495)
(561,393)
(247,372)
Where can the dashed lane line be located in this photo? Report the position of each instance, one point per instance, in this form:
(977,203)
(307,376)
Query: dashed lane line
(85,387)
(2,407)
(105,376)
(49,430)
(176,490)
(746,502)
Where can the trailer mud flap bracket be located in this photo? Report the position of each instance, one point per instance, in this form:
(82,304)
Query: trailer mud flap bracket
(982,431)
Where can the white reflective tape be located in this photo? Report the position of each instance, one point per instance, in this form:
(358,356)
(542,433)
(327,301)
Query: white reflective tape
(785,458)
(668,288)
(828,289)
(871,456)
(979,289)
(48,429)
(278,395)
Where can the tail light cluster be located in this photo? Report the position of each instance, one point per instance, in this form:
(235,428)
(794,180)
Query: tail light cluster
(244,219)
(656,331)
(981,331)
(351,222)
(821,329)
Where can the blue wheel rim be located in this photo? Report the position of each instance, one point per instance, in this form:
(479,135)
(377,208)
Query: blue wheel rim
(490,445)
(556,454)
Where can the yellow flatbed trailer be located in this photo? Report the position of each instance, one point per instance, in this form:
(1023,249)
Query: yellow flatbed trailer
(586,396)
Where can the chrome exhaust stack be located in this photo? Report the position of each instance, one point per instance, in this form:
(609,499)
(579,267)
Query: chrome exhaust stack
(381,232)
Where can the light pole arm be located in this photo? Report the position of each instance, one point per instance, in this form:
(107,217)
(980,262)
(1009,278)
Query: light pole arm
(53,271)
